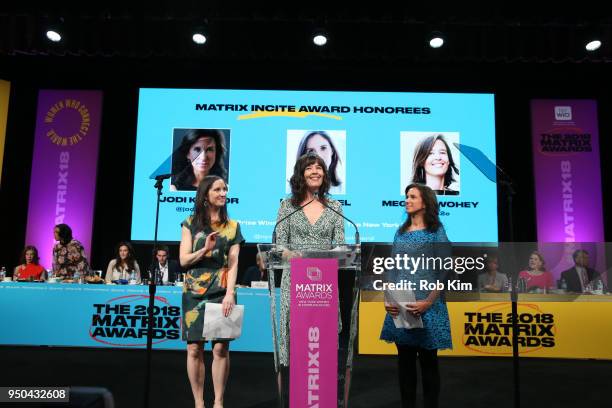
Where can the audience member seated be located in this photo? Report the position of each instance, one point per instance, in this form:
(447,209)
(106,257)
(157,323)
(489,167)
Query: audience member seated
(580,278)
(29,269)
(68,254)
(255,272)
(492,280)
(124,267)
(166,271)
(536,276)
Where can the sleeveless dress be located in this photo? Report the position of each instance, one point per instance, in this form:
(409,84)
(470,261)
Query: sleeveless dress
(206,281)
(435,333)
(30,271)
(296,232)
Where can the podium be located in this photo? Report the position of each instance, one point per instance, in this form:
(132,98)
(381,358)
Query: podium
(314,321)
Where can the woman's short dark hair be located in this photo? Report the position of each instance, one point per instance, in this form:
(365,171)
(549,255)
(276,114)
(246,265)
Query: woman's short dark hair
(130,260)
(334,179)
(35,258)
(64,233)
(578,252)
(298,181)
(431,217)
(421,153)
(183,177)
(541,257)
(201,215)
(161,248)
(492,257)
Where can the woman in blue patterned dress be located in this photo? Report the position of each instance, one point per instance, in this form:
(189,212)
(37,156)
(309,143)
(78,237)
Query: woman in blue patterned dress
(420,236)
(210,244)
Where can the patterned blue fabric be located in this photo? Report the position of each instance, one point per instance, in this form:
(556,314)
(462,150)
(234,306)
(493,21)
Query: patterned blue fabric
(435,333)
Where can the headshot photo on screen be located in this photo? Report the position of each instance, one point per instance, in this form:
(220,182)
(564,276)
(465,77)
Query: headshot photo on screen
(430,158)
(330,145)
(198,153)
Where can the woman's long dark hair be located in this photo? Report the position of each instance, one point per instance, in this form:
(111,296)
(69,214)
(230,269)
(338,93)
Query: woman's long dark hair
(201,216)
(420,156)
(129,261)
(335,159)
(35,258)
(182,170)
(431,217)
(65,233)
(298,184)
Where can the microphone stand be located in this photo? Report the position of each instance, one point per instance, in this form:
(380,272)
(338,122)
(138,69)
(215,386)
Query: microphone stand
(281,372)
(509,192)
(485,166)
(355,295)
(159,183)
(357,242)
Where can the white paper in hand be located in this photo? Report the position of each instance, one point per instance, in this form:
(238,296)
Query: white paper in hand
(399,298)
(217,326)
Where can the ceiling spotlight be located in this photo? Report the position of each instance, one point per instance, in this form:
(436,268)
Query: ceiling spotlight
(54,36)
(319,39)
(436,41)
(199,38)
(593,45)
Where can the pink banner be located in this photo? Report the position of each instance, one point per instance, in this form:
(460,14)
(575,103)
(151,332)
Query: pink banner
(565,143)
(313,348)
(566,169)
(64,168)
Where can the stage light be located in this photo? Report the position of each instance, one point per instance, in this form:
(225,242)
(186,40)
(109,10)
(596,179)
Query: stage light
(319,39)
(436,40)
(593,45)
(199,38)
(54,35)
(54,28)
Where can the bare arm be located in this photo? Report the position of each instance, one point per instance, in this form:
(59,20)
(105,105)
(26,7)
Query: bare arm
(232,262)
(187,256)
(232,273)
(137,270)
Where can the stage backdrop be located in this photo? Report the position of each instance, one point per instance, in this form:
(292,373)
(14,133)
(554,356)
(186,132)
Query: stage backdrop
(369,141)
(64,167)
(5,88)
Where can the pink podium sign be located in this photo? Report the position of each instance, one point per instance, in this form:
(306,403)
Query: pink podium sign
(313,350)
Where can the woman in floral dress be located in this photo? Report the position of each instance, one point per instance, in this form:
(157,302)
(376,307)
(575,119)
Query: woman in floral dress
(68,254)
(210,245)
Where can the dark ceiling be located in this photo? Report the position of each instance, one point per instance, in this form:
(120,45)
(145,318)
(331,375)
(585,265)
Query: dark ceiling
(163,28)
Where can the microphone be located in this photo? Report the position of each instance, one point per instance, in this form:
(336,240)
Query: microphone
(287,216)
(163,176)
(316,195)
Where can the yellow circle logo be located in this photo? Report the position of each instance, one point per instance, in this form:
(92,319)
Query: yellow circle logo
(63,131)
